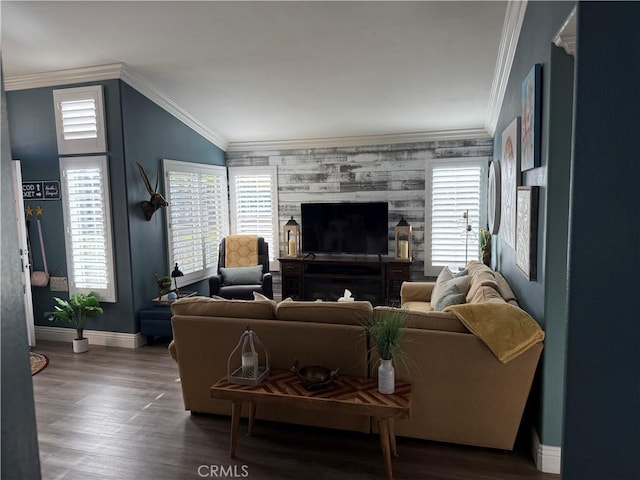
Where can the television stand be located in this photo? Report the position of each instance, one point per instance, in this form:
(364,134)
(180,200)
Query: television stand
(374,278)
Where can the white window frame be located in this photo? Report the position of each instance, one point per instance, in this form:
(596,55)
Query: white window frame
(209,243)
(235,208)
(67,164)
(81,145)
(476,223)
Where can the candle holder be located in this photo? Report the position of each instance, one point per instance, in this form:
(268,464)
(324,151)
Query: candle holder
(243,365)
(292,238)
(403,240)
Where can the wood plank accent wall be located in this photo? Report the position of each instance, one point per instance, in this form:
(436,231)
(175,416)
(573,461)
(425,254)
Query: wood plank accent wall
(391,173)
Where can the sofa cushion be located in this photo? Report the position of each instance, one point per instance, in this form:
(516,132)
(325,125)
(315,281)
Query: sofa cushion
(478,283)
(347,313)
(205,306)
(241,275)
(417,306)
(485,294)
(441,321)
(504,289)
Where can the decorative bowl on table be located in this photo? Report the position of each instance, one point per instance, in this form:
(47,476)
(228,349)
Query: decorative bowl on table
(314,377)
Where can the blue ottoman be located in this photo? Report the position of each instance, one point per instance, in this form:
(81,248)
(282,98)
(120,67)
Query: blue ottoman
(155,322)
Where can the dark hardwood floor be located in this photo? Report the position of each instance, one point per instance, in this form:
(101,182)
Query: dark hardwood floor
(115,413)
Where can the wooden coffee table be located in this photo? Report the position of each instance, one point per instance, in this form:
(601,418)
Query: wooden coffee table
(349,395)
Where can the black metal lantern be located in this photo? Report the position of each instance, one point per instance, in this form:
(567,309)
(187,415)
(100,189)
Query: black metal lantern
(403,240)
(292,237)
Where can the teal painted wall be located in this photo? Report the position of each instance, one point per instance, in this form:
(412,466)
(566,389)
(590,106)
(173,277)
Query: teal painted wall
(602,399)
(541,23)
(561,67)
(33,142)
(151,134)
(137,130)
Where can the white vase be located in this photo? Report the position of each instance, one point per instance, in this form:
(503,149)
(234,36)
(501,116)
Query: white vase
(80,345)
(386,377)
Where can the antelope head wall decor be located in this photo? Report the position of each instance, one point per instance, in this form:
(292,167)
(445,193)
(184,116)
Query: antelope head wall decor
(156,201)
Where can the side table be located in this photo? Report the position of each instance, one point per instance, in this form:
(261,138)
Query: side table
(350,395)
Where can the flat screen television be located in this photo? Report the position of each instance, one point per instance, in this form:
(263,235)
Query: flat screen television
(357,228)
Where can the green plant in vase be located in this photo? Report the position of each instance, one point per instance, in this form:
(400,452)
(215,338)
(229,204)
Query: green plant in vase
(75,311)
(385,331)
(485,246)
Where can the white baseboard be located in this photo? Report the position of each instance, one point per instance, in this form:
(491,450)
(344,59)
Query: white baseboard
(547,458)
(96,337)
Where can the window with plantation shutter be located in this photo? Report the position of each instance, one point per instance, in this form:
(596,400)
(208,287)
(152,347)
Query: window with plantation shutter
(87,221)
(253,192)
(79,115)
(453,189)
(197,217)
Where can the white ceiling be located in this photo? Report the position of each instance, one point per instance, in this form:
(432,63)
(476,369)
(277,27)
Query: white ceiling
(265,71)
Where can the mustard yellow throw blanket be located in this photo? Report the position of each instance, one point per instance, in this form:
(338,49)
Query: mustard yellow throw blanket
(507,330)
(241,251)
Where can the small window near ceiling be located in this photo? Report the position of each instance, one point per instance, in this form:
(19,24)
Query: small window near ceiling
(197,217)
(454,189)
(87,223)
(253,192)
(79,114)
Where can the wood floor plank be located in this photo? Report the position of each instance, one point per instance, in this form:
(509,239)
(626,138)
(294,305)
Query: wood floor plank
(115,413)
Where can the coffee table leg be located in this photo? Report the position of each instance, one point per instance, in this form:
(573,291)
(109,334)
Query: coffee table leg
(392,439)
(236,411)
(383,426)
(252,417)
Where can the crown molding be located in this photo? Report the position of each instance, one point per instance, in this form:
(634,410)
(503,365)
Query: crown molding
(566,37)
(513,20)
(111,72)
(157,96)
(355,141)
(63,77)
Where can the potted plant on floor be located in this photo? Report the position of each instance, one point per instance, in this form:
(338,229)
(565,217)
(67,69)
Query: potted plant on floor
(74,311)
(385,331)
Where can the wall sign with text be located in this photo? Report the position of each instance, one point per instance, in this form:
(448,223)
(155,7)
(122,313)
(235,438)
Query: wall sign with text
(41,190)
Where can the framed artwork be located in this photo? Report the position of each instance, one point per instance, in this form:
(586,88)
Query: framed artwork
(527,231)
(493,200)
(531,118)
(510,180)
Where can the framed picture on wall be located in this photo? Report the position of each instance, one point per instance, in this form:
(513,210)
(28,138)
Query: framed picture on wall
(510,173)
(527,231)
(531,118)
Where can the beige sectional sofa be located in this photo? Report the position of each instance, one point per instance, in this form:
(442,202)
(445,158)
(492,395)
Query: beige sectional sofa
(461,392)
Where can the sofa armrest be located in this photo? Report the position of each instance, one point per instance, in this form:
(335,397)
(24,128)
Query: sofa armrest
(173,350)
(416,292)
(215,283)
(267,285)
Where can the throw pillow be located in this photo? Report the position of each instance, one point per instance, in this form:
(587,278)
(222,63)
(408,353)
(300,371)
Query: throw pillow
(444,276)
(451,296)
(461,283)
(461,273)
(241,275)
(258,297)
